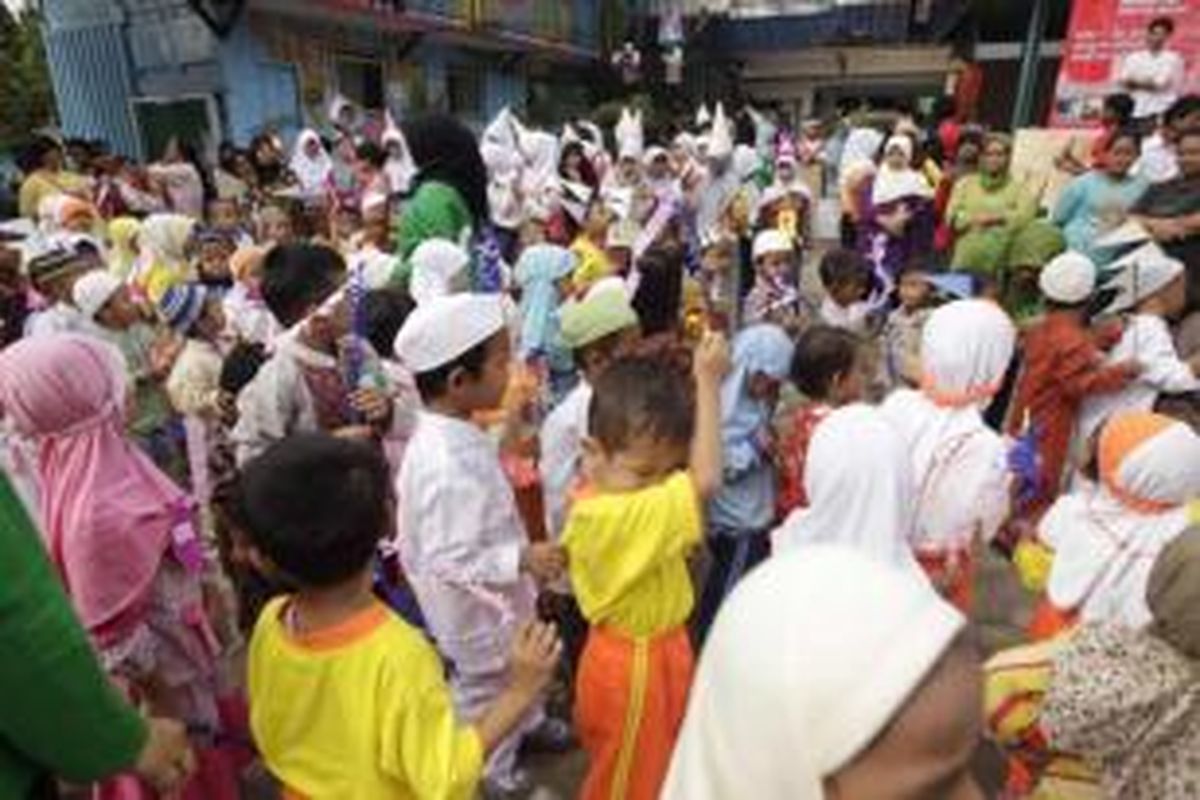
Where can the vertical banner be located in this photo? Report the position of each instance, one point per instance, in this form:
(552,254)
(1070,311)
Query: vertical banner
(1101,33)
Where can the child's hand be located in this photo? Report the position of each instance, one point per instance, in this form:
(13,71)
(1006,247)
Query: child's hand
(545,561)
(166,760)
(711,362)
(535,654)
(374,406)
(356,433)
(1132,369)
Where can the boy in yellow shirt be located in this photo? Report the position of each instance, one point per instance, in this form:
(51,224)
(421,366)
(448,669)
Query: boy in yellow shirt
(627,545)
(346,699)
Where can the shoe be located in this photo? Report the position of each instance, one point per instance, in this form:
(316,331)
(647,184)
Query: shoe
(515,786)
(553,735)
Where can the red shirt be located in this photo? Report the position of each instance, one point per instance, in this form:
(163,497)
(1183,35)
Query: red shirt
(793,452)
(1063,366)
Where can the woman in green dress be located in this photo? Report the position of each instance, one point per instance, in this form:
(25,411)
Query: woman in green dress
(59,715)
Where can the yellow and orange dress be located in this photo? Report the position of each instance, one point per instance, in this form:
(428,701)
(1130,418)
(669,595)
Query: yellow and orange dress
(628,562)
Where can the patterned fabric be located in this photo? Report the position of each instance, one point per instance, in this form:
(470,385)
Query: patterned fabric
(1130,704)
(792,455)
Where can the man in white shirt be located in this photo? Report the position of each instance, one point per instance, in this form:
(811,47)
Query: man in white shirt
(1153,76)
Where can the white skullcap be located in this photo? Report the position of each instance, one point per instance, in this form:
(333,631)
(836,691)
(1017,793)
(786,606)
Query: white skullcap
(772,241)
(435,264)
(1141,274)
(781,702)
(93,290)
(1069,278)
(441,330)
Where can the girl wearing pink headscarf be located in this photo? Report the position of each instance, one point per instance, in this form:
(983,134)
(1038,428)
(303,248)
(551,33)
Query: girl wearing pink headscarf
(122,538)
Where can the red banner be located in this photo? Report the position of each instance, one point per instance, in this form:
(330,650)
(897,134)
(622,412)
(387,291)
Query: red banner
(1101,33)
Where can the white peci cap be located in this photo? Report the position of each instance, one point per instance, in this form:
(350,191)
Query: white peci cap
(443,328)
(1069,278)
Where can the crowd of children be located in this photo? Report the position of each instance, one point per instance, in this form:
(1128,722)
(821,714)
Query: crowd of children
(344,460)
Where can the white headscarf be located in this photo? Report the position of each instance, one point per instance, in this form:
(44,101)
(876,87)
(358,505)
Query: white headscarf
(959,464)
(436,266)
(312,172)
(1107,538)
(860,489)
(401,169)
(894,184)
(811,657)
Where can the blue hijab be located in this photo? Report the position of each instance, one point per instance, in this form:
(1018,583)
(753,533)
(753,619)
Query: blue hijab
(539,268)
(759,348)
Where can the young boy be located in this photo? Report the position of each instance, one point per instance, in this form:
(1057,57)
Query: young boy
(628,541)
(1153,286)
(53,275)
(346,699)
(846,277)
(901,339)
(463,547)
(774,297)
(829,368)
(1063,368)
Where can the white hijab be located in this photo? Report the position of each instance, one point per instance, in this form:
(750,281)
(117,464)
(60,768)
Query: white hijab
(312,172)
(438,269)
(958,464)
(809,660)
(859,487)
(1105,548)
(401,169)
(895,184)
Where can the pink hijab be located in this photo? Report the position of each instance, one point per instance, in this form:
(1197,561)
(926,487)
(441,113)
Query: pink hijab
(109,514)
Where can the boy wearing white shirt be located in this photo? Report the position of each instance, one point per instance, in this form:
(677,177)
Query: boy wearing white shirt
(1153,75)
(464,549)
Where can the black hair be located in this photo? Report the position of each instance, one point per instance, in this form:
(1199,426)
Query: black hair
(840,266)
(1121,105)
(916,264)
(823,353)
(445,150)
(297,278)
(316,506)
(641,396)
(371,153)
(586,171)
(433,384)
(385,311)
(1129,133)
(35,152)
(1183,107)
(1164,23)
(659,294)
(240,366)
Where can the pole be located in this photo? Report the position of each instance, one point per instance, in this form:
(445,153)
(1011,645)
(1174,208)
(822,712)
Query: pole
(1031,57)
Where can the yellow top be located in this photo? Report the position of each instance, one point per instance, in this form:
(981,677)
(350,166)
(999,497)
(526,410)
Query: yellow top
(360,711)
(628,556)
(42,184)
(593,263)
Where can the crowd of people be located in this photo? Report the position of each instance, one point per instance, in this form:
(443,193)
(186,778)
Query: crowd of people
(338,462)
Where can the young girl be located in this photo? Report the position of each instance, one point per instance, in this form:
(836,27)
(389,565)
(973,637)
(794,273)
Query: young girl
(774,297)
(959,464)
(123,540)
(742,512)
(829,369)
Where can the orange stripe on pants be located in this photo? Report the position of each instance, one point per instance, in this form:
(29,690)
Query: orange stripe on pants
(952,574)
(630,698)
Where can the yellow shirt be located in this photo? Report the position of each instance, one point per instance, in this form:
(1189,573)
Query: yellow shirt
(628,556)
(357,712)
(41,184)
(593,263)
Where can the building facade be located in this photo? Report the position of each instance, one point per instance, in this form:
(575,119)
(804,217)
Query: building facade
(134,73)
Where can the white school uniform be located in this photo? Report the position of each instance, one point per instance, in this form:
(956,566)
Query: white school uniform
(460,543)
(561,441)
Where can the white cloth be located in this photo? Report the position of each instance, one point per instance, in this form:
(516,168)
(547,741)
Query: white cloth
(443,328)
(1165,69)
(277,403)
(1146,340)
(561,440)
(438,270)
(59,318)
(1104,550)
(860,489)
(959,464)
(312,172)
(811,657)
(898,184)
(852,317)
(860,149)
(1158,162)
(93,290)
(248,318)
(1141,273)
(1069,278)
(193,384)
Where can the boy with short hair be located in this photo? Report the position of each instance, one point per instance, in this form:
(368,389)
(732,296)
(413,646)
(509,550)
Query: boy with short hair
(775,297)
(847,278)
(901,336)
(652,460)
(346,699)
(1063,368)
(461,541)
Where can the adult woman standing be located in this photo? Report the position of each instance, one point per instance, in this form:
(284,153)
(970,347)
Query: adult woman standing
(1098,201)
(899,220)
(46,175)
(989,211)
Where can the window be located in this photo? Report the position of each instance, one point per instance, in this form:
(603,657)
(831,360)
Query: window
(361,81)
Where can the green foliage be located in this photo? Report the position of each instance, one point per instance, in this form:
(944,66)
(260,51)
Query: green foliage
(26,95)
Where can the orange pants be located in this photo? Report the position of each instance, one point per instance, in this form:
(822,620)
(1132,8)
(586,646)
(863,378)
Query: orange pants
(630,698)
(956,584)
